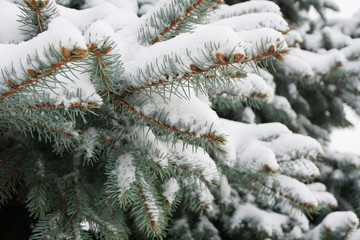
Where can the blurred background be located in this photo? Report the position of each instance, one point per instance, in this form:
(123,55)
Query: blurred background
(345,140)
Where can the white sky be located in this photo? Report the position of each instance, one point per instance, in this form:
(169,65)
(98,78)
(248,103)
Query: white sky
(347,140)
(347,8)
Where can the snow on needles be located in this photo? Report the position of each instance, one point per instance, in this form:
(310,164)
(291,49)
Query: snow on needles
(270,222)
(125,172)
(332,222)
(171,187)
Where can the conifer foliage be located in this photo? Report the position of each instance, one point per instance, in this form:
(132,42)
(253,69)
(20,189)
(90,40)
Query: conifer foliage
(109,129)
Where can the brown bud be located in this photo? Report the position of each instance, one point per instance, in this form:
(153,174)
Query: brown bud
(32,73)
(107,50)
(85,108)
(194,67)
(33,2)
(286,31)
(93,104)
(46,2)
(12,85)
(260,95)
(66,52)
(279,57)
(269,169)
(238,57)
(286,50)
(80,52)
(278,39)
(93,46)
(220,57)
(271,49)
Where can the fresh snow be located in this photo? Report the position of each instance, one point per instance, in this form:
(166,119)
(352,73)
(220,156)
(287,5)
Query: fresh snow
(270,222)
(125,172)
(171,187)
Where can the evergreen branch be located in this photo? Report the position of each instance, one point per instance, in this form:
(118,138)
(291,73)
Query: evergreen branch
(297,159)
(34,76)
(152,222)
(175,17)
(65,133)
(100,63)
(222,61)
(269,169)
(64,212)
(347,232)
(212,137)
(189,171)
(11,169)
(37,6)
(100,223)
(203,204)
(297,203)
(234,103)
(36,16)
(275,191)
(9,176)
(85,190)
(265,55)
(306,77)
(258,95)
(39,208)
(197,195)
(178,23)
(302,178)
(46,227)
(105,65)
(84,106)
(77,201)
(108,141)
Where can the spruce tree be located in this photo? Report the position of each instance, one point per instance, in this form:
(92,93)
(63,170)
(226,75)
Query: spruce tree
(318,78)
(109,129)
